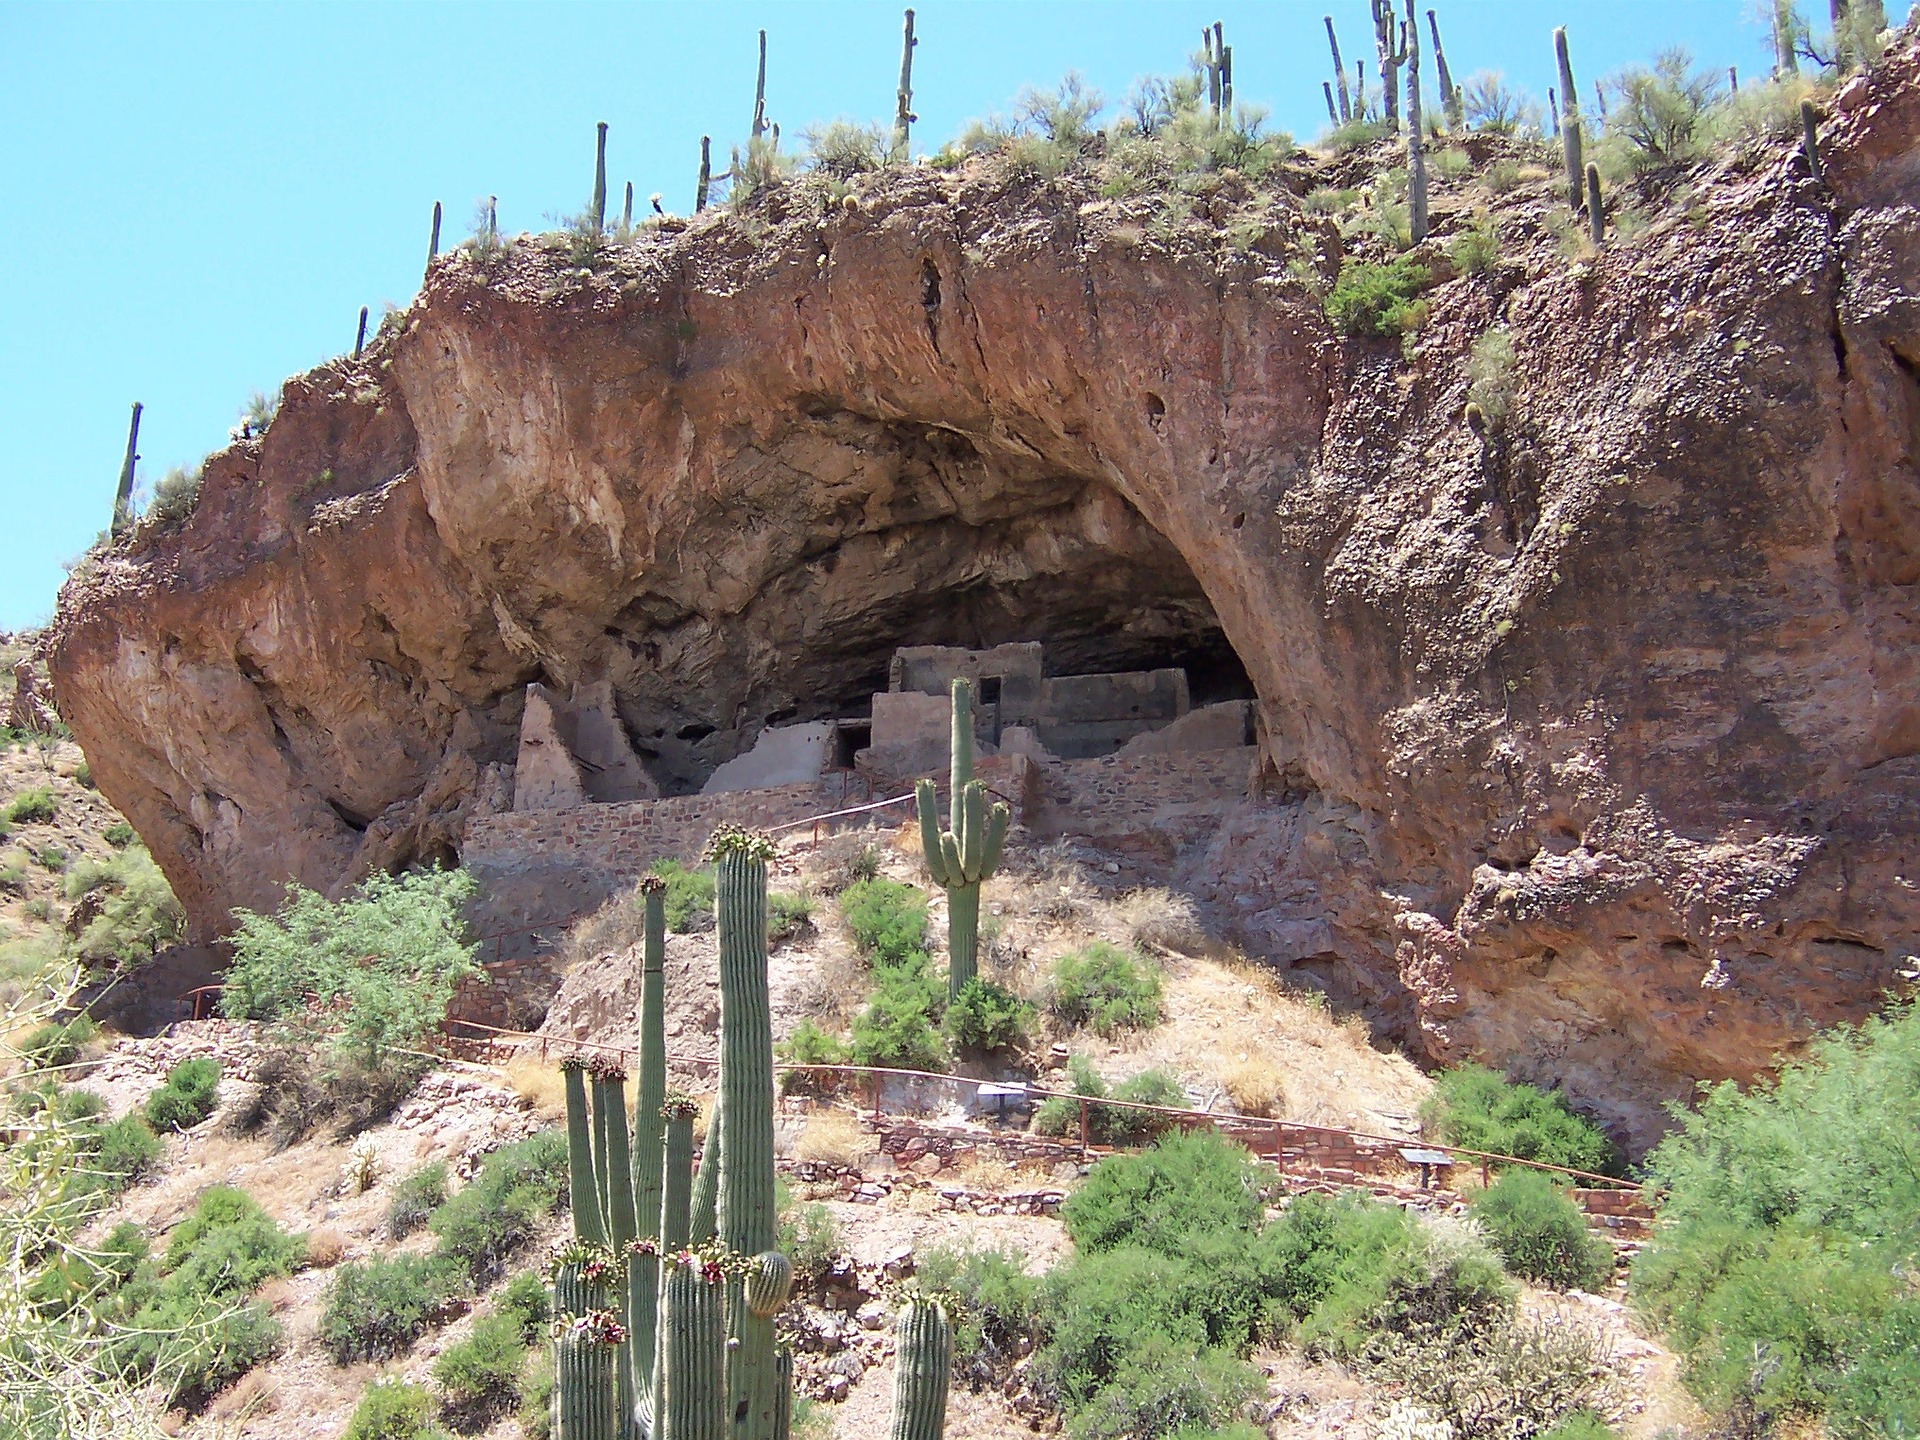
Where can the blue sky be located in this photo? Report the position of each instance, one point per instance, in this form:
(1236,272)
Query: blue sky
(199,198)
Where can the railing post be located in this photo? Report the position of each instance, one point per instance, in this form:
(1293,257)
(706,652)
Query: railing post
(876,1097)
(1083,1127)
(1486,1177)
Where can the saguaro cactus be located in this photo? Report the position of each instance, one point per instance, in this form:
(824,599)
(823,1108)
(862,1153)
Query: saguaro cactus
(1339,74)
(1596,216)
(650,1129)
(433,236)
(706,174)
(626,210)
(1810,139)
(1392,57)
(692,1403)
(123,493)
(760,92)
(360,335)
(1452,102)
(587,1356)
(922,1360)
(903,116)
(1217,63)
(597,210)
(1569,118)
(1416,142)
(962,856)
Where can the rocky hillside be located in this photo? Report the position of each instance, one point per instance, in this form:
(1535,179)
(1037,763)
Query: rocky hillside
(1590,727)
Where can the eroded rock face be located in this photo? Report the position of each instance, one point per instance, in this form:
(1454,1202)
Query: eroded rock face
(1597,734)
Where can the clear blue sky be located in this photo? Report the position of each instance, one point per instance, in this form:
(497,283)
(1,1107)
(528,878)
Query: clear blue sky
(198,198)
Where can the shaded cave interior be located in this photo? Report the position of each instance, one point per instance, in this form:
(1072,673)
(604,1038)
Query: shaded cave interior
(880,539)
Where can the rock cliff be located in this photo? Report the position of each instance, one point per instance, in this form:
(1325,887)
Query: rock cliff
(1592,740)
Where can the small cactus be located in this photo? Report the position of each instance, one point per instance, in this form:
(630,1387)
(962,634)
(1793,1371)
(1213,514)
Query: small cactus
(586,1354)
(960,858)
(922,1361)
(1596,216)
(769,1282)
(1810,139)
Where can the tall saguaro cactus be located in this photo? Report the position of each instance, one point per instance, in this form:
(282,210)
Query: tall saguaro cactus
(1387,30)
(964,855)
(1569,119)
(1416,141)
(123,493)
(922,1361)
(1452,103)
(706,174)
(692,1403)
(433,237)
(1340,74)
(650,1127)
(903,116)
(597,211)
(745,1210)
(760,92)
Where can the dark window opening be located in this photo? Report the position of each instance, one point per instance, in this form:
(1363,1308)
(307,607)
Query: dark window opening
(848,741)
(989,689)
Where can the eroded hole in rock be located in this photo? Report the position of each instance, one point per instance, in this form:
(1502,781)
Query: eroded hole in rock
(851,541)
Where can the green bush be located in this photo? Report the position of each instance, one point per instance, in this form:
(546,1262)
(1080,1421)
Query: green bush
(1155,1199)
(117,1154)
(1374,299)
(525,1299)
(138,912)
(811,1239)
(1786,1236)
(1540,1233)
(227,1245)
(688,898)
(57,1044)
(811,1044)
(888,919)
(999,1318)
(375,1309)
(1661,114)
(51,857)
(986,1016)
(1480,1109)
(393,951)
(517,1186)
(1106,989)
(1581,1425)
(481,1374)
(788,915)
(32,806)
(187,1097)
(196,1347)
(392,1409)
(415,1198)
(897,1029)
(119,835)
(1164,1390)
(536,1395)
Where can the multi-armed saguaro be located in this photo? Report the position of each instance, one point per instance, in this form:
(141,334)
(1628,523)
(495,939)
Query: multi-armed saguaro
(665,1299)
(962,856)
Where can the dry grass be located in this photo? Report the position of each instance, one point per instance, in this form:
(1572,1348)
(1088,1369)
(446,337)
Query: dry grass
(1254,1086)
(833,1138)
(325,1246)
(539,1085)
(615,926)
(1159,919)
(984,1172)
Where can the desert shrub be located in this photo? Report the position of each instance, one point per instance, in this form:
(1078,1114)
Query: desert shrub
(688,898)
(68,1104)
(382,963)
(195,1347)
(1255,1086)
(119,835)
(1540,1233)
(898,1030)
(33,805)
(1355,135)
(525,1299)
(788,915)
(833,1137)
(1490,104)
(1109,1124)
(999,1318)
(845,860)
(1790,1217)
(415,1198)
(1164,1390)
(843,149)
(58,1043)
(1375,299)
(811,1044)
(811,1239)
(986,1016)
(1149,1087)
(393,1409)
(501,1208)
(1759,111)
(480,1375)
(227,1245)
(1106,989)
(1155,1199)
(375,1309)
(117,1154)
(1475,249)
(1502,1378)
(1490,372)
(50,857)
(1480,1109)
(174,496)
(1582,1424)
(536,1395)
(187,1097)
(137,911)
(1660,115)
(13,879)
(888,919)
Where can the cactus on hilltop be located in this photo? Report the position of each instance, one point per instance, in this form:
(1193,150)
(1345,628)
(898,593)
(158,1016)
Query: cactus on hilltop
(1416,141)
(1569,118)
(597,208)
(903,116)
(1347,112)
(965,854)
(123,493)
(433,236)
(1392,56)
